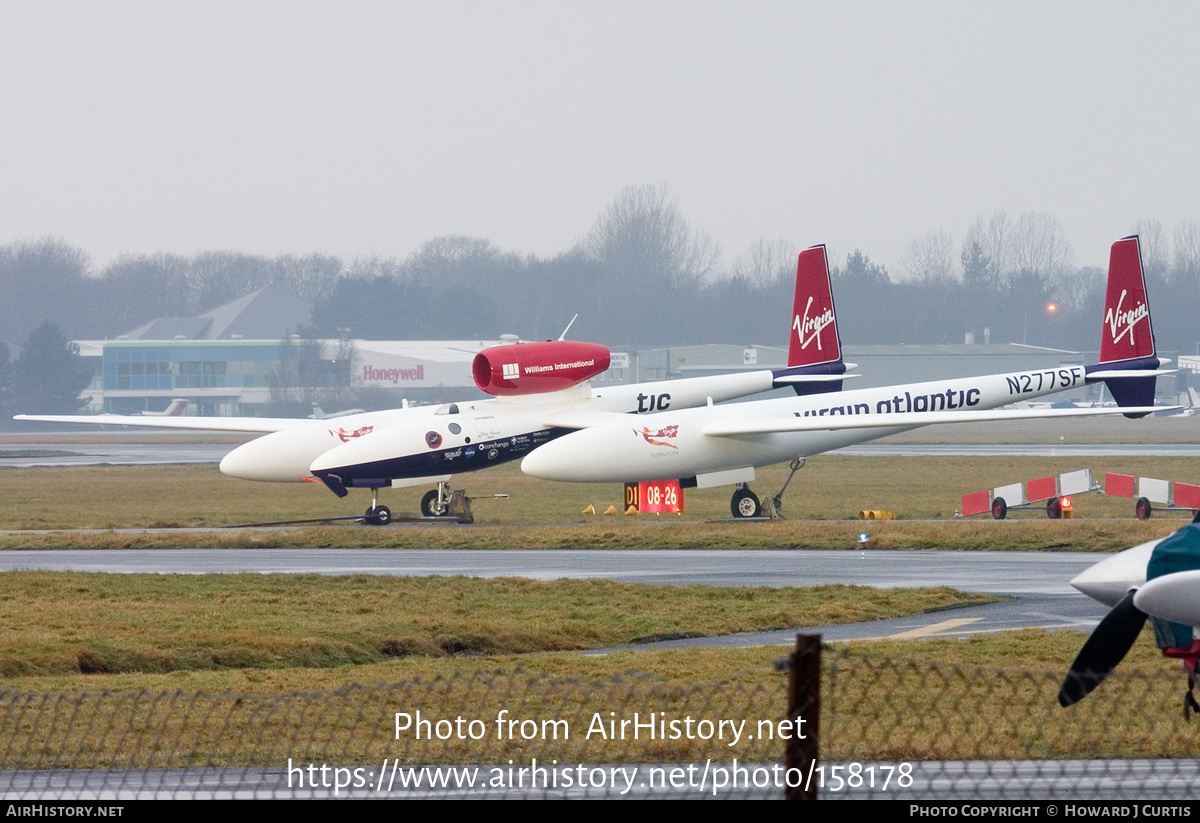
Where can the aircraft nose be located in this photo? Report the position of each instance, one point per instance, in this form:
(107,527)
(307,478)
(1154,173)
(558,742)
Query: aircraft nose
(545,462)
(243,462)
(281,457)
(1112,578)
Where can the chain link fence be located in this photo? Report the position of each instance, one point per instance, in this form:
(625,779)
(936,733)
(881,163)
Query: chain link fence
(879,728)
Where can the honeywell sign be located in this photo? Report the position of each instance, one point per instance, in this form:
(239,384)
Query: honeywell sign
(373,374)
(402,365)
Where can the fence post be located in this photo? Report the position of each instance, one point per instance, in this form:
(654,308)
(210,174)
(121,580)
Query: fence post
(804,703)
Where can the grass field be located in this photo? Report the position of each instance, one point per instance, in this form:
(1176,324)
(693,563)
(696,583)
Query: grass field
(72,623)
(125,670)
(829,488)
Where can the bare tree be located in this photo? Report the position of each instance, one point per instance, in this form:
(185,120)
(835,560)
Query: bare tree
(452,256)
(1187,254)
(453,267)
(1153,242)
(136,289)
(766,264)
(312,276)
(216,277)
(643,235)
(994,238)
(1039,245)
(311,371)
(44,279)
(930,260)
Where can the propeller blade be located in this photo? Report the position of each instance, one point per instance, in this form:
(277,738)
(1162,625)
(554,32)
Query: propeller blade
(1107,646)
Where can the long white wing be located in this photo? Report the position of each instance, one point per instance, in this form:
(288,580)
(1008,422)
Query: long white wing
(259,425)
(582,418)
(768,425)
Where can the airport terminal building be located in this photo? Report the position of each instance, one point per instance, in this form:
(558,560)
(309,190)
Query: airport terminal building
(241,358)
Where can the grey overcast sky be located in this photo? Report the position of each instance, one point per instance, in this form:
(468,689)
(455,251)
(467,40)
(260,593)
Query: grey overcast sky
(357,128)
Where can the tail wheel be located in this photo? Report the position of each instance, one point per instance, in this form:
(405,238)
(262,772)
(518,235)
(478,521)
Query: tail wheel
(745,504)
(999,509)
(1143,508)
(431,506)
(1054,508)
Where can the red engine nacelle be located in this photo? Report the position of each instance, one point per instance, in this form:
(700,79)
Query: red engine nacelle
(532,368)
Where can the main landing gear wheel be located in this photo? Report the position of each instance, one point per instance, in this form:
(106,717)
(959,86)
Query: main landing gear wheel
(999,509)
(744,503)
(1143,509)
(432,504)
(378,515)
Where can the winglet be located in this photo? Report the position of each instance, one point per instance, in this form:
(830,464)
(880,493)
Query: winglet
(814,348)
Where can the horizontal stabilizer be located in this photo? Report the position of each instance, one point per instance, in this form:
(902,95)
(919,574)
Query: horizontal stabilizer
(789,379)
(1123,374)
(771,425)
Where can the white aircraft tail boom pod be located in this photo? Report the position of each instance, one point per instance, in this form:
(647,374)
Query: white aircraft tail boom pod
(721,445)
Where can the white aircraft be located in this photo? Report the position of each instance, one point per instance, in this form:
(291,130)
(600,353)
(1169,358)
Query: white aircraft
(1159,580)
(541,391)
(721,445)
(536,403)
(175,409)
(320,414)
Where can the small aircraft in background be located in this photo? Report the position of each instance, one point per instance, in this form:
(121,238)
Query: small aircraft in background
(539,391)
(1159,581)
(721,445)
(176,409)
(318,414)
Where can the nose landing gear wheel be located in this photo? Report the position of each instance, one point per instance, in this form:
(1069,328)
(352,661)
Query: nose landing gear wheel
(745,504)
(378,516)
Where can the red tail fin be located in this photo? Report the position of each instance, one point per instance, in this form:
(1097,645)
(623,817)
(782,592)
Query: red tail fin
(814,336)
(1127,332)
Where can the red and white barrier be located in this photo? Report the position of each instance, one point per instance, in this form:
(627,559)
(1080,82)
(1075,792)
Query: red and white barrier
(1055,490)
(1149,490)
